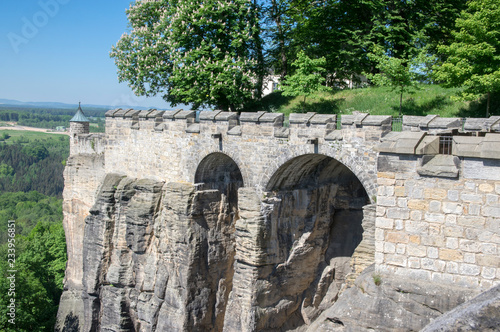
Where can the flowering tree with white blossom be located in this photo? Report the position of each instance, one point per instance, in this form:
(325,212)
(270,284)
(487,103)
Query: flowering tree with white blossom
(191,52)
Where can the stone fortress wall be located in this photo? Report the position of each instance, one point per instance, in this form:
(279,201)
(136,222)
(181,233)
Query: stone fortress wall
(427,215)
(437,225)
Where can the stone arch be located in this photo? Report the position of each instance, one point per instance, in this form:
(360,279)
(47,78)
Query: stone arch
(214,210)
(308,170)
(212,158)
(320,226)
(364,171)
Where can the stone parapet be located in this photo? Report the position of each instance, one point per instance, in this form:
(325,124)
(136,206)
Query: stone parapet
(308,125)
(420,143)
(492,124)
(432,124)
(88,144)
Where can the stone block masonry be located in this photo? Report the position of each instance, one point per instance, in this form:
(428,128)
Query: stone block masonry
(439,225)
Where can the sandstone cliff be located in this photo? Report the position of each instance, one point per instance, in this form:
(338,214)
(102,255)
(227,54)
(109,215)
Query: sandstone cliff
(172,257)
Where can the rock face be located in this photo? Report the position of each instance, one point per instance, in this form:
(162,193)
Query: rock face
(389,303)
(482,313)
(157,257)
(216,257)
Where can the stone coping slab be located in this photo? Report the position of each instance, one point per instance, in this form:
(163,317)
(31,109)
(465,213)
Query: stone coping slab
(404,142)
(251,116)
(301,118)
(323,119)
(209,115)
(155,114)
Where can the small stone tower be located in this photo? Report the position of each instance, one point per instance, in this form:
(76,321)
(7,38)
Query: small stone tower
(79,124)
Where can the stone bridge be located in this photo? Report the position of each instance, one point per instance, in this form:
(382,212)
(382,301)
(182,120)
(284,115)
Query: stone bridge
(218,221)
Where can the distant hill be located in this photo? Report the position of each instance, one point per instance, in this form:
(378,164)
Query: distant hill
(16,103)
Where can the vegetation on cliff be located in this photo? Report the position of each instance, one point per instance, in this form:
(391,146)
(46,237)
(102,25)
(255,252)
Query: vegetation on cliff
(32,162)
(30,183)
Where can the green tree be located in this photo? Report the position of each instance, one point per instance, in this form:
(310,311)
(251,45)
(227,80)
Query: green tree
(40,263)
(307,78)
(6,170)
(400,73)
(339,31)
(190,52)
(473,59)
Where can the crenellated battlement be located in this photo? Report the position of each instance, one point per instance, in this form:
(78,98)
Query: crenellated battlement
(233,123)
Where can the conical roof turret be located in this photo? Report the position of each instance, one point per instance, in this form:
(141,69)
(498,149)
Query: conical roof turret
(79,116)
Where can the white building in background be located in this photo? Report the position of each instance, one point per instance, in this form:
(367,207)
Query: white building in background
(271,83)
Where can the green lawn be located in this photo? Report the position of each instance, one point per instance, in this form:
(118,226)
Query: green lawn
(428,99)
(25,136)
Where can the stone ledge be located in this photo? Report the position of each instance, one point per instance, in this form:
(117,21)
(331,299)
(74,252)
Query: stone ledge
(440,165)
(169,115)
(155,114)
(132,114)
(482,124)
(377,120)
(478,147)
(281,132)
(323,119)
(185,115)
(429,145)
(226,116)
(122,113)
(353,119)
(235,131)
(272,119)
(144,113)
(251,116)
(418,121)
(335,135)
(404,142)
(110,113)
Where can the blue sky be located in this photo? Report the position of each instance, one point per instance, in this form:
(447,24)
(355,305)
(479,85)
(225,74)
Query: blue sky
(58,51)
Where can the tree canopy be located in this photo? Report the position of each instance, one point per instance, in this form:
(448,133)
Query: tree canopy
(217,53)
(473,58)
(306,79)
(191,52)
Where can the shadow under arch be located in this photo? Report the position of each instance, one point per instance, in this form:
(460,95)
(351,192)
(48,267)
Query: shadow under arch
(214,212)
(322,226)
(219,171)
(311,170)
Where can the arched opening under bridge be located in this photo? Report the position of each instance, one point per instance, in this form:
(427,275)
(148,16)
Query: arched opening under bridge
(214,211)
(322,234)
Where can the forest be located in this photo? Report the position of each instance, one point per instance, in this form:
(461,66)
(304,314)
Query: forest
(220,54)
(31,184)
(49,118)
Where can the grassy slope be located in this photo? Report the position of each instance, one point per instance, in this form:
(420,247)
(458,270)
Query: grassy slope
(428,99)
(26,135)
